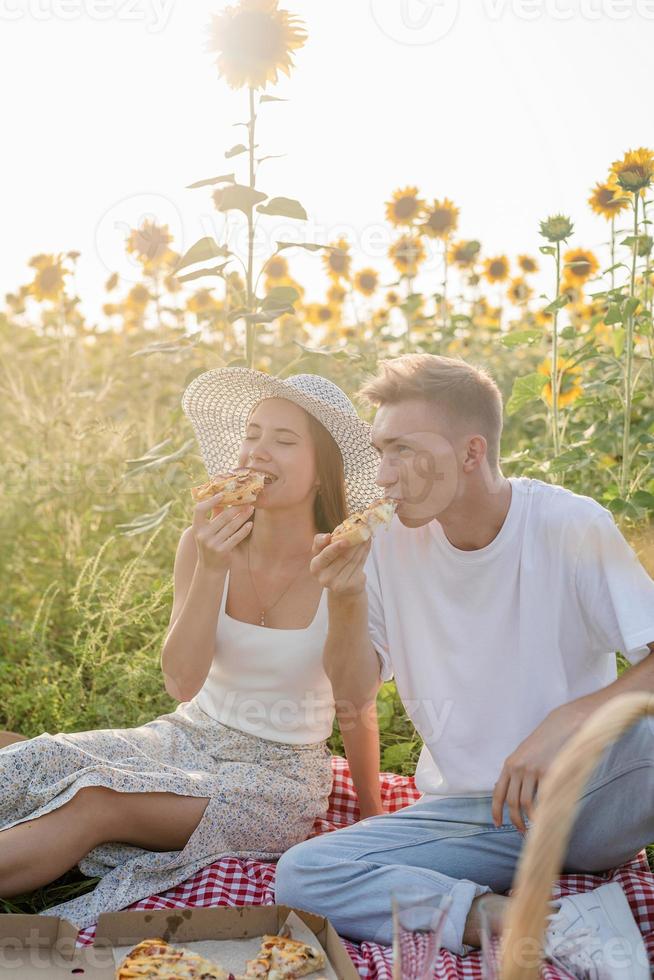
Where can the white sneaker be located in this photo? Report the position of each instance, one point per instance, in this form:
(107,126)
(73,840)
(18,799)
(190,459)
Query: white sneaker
(594,936)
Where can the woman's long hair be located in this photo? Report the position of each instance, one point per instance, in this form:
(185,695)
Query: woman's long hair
(330,505)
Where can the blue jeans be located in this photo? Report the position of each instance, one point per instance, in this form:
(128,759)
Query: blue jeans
(451,846)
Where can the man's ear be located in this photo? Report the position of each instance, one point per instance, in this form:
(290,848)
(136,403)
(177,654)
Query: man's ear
(475,453)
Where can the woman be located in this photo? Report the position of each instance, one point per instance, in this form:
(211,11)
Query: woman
(241,767)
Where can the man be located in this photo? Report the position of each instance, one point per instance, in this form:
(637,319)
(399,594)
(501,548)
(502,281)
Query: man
(498,605)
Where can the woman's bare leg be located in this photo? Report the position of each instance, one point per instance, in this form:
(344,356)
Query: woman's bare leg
(36,852)
(8,738)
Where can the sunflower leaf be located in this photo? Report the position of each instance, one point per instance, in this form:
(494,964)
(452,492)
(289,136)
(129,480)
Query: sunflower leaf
(519,337)
(271,98)
(547,250)
(614,314)
(309,246)
(557,304)
(235,150)
(238,197)
(286,207)
(205,248)
(224,179)
(217,271)
(279,296)
(525,389)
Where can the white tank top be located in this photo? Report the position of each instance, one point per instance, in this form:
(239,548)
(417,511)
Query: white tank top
(270,682)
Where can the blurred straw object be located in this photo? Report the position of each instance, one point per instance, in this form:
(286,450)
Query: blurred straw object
(542,858)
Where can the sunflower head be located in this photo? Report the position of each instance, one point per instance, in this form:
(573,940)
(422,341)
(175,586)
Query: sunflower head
(150,244)
(570,387)
(635,170)
(49,279)
(441,219)
(276,268)
(337,260)
(496,269)
(463,254)
(579,265)
(527,264)
(556,228)
(607,198)
(366,281)
(336,294)
(407,254)
(254,40)
(321,314)
(404,206)
(519,291)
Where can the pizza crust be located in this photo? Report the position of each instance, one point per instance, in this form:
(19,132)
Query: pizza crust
(360,527)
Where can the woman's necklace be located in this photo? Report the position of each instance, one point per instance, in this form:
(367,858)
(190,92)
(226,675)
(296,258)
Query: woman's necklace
(265,611)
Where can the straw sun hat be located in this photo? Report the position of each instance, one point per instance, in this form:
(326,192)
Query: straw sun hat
(218,404)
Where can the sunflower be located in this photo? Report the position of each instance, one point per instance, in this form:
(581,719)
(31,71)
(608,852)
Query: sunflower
(321,314)
(442,219)
(527,264)
(276,268)
(569,385)
(580,264)
(336,294)
(463,254)
(635,170)
(137,298)
(393,298)
(254,41)
(607,198)
(366,281)
(150,244)
(519,291)
(404,207)
(48,282)
(573,291)
(337,260)
(496,269)
(203,301)
(406,254)
(556,228)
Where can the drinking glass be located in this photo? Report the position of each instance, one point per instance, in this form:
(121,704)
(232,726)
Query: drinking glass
(418,922)
(491,938)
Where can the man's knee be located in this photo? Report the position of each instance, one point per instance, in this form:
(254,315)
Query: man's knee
(299,872)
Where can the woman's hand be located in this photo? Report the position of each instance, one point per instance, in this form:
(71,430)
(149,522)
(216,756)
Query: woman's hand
(339,566)
(217,537)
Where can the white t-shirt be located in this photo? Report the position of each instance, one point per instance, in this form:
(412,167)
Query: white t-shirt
(484,644)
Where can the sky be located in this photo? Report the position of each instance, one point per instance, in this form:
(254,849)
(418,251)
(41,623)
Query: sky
(513,109)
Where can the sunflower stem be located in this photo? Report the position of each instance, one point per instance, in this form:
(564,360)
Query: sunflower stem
(555,362)
(612,252)
(250,329)
(629,365)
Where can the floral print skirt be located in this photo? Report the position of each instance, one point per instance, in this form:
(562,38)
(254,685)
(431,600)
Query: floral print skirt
(263,796)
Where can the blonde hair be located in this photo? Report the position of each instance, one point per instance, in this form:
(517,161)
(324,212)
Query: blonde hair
(464,392)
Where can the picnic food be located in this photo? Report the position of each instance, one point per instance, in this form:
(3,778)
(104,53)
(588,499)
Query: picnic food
(240,486)
(360,527)
(282,958)
(155,959)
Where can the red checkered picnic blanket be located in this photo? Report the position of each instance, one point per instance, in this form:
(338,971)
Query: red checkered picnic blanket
(236,882)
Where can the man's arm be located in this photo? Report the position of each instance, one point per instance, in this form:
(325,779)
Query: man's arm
(525,767)
(351,663)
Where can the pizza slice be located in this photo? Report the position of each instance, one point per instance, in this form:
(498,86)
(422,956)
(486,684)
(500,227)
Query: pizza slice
(282,958)
(360,527)
(155,959)
(241,486)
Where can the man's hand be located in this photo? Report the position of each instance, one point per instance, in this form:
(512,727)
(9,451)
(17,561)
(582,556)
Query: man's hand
(524,768)
(339,566)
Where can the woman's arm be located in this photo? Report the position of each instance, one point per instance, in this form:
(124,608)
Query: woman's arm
(190,644)
(351,663)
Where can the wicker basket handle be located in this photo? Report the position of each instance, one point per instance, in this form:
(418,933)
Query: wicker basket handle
(547,841)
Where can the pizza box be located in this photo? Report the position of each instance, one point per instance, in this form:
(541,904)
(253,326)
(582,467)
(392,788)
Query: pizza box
(41,947)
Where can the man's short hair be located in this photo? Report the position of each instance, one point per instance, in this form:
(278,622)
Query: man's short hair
(465,393)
